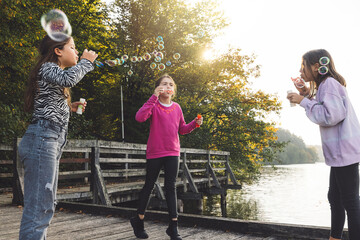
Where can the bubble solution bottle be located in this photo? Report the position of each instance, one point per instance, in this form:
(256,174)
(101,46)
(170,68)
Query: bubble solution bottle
(80,107)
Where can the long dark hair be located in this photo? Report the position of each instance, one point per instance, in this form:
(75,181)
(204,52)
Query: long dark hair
(312,57)
(46,54)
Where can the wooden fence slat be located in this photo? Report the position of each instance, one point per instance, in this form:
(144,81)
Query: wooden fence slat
(75,160)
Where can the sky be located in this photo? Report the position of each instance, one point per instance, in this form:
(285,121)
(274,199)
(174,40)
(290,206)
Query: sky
(279,32)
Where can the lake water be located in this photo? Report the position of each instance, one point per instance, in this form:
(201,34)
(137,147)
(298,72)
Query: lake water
(295,194)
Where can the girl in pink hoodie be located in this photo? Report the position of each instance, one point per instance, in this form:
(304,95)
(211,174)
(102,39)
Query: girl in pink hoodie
(163,150)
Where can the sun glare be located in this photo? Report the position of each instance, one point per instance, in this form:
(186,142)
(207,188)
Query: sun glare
(209,54)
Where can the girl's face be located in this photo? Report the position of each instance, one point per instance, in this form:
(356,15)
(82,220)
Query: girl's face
(168,86)
(308,73)
(68,56)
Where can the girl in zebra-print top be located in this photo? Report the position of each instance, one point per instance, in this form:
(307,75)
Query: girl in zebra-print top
(40,149)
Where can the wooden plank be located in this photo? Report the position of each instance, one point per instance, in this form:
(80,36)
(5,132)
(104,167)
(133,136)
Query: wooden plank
(122,151)
(6,162)
(4,147)
(121,160)
(75,160)
(124,173)
(6,175)
(74,174)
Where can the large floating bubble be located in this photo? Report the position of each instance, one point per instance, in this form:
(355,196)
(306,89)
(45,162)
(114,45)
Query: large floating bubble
(161,42)
(168,63)
(176,56)
(56,25)
(161,67)
(153,65)
(130,72)
(140,59)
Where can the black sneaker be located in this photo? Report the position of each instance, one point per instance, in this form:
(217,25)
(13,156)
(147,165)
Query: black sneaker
(138,226)
(172,231)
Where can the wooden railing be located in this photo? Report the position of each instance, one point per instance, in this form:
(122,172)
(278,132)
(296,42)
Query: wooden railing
(112,172)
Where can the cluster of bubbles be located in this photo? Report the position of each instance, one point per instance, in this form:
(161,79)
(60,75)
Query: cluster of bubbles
(323,69)
(56,25)
(157,55)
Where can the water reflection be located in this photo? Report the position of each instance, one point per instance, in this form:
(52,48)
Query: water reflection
(295,194)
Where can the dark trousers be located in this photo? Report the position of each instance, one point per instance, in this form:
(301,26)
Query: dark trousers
(171,169)
(344,196)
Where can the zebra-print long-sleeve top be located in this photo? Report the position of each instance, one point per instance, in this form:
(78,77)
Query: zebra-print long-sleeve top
(50,103)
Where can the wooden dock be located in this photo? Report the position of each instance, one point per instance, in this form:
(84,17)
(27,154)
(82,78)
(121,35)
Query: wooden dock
(77,221)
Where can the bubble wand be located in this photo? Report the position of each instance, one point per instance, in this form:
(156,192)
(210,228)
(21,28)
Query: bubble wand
(198,117)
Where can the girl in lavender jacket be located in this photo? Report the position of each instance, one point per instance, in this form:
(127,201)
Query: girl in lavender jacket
(340,136)
(163,150)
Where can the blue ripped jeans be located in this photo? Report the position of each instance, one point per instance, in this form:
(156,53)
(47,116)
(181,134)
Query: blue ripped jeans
(40,150)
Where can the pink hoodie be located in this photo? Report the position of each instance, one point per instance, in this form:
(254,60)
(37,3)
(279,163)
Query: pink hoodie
(165,124)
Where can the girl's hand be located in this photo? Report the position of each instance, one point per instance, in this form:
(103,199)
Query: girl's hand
(304,91)
(74,106)
(295,98)
(89,55)
(199,121)
(158,90)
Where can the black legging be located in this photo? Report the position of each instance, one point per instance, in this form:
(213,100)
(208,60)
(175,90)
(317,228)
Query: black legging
(344,195)
(171,169)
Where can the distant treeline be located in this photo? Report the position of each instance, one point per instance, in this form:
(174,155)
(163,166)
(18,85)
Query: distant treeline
(295,150)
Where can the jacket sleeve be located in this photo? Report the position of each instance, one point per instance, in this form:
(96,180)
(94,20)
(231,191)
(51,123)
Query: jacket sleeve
(183,127)
(145,111)
(329,112)
(51,72)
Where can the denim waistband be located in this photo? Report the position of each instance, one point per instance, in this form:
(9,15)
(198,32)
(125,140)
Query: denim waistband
(50,124)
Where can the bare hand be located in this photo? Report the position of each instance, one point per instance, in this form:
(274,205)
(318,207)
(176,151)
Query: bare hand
(199,121)
(89,55)
(158,90)
(295,98)
(74,106)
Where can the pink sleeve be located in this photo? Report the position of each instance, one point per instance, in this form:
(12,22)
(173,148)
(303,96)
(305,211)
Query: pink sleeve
(183,127)
(146,110)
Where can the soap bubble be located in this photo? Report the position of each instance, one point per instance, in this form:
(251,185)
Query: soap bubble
(111,63)
(168,63)
(160,46)
(119,61)
(161,43)
(161,67)
(157,59)
(200,34)
(324,61)
(323,70)
(160,54)
(153,65)
(147,56)
(140,59)
(133,59)
(130,72)
(56,25)
(176,56)
(125,57)
(98,63)
(159,38)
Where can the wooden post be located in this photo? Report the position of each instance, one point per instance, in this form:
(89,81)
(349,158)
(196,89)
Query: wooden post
(18,176)
(126,167)
(99,187)
(207,168)
(183,176)
(86,167)
(223,204)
